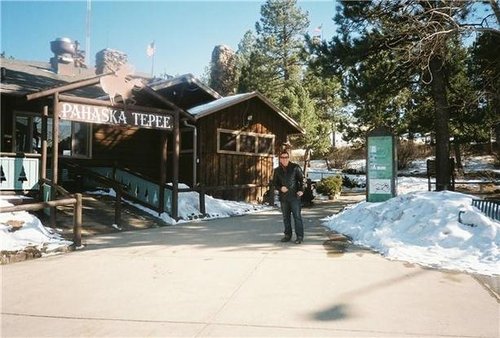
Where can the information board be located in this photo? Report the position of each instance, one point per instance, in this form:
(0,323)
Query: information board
(380,167)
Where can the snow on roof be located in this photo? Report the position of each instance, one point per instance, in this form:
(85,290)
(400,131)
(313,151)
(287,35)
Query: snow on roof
(211,107)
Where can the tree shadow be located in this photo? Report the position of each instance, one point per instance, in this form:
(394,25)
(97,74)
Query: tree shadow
(341,310)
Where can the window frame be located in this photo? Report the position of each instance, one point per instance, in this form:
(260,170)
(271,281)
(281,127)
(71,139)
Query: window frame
(30,115)
(238,142)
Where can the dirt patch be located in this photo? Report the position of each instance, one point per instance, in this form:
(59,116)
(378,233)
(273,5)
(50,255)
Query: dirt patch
(7,257)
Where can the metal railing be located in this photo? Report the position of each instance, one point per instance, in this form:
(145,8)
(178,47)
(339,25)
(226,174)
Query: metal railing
(490,208)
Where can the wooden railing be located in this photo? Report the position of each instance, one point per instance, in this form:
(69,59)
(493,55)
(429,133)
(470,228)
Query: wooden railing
(145,190)
(107,182)
(68,199)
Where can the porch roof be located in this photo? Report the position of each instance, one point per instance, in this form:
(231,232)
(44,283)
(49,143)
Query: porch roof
(24,77)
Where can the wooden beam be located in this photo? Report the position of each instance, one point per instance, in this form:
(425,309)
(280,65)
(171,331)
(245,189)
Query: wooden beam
(38,206)
(175,171)
(55,155)
(43,165)
(82,100)
(163,171)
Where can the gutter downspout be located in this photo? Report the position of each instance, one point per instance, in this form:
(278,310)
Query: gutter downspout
(195,149)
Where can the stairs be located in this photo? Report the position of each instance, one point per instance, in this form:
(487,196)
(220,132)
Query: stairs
(99,217)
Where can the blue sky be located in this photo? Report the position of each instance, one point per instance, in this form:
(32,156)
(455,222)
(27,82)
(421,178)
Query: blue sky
(185,32)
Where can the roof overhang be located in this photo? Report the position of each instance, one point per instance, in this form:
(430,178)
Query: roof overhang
(222,103)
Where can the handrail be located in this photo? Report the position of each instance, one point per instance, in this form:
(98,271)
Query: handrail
(118,187)
(20,154)
(76,201)
(58,188)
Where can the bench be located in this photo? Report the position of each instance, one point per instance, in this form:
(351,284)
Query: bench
(431,171)
(490,208)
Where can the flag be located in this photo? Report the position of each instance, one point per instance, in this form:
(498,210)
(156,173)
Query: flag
(150,50)
(318,29)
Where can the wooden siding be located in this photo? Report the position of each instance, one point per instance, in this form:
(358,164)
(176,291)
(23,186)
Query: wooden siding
(136,149)
(238,176)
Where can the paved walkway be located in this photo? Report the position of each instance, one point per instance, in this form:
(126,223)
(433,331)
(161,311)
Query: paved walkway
(232,277)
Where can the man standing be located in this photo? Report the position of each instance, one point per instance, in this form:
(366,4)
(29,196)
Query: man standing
(288,179)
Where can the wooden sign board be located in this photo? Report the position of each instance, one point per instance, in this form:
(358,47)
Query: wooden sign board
(108,115)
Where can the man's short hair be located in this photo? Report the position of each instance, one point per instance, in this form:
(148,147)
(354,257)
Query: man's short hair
(283,152)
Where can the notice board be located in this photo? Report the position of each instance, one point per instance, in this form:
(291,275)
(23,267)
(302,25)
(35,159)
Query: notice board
(381,165)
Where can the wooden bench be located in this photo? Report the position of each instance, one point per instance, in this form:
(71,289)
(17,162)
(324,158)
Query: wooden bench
(431,171)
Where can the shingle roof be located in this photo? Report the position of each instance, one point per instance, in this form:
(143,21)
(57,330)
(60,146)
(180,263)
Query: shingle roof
(23,77)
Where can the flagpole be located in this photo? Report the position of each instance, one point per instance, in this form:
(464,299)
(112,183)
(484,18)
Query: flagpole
(152,64)
(153,59)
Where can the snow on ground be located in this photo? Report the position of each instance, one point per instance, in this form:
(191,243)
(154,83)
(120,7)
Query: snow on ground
(417,226)
(189,207)
(19,230)
(424,228)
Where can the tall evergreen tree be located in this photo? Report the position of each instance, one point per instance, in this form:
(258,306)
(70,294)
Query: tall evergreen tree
(395,43)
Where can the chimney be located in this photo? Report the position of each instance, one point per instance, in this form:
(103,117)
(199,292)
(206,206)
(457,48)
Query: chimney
(64,51)
(109,60)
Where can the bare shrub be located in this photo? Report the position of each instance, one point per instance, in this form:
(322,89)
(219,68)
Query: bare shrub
(339,157)
(409,151)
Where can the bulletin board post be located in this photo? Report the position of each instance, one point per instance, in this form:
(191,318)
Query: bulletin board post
(381,165)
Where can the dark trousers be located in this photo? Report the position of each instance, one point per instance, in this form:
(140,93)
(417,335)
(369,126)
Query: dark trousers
(291,207)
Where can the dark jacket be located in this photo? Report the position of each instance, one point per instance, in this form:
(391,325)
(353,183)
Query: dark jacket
(290,177)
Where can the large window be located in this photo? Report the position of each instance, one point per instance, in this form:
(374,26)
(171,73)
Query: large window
(28,131)
(74,137)
(238,142)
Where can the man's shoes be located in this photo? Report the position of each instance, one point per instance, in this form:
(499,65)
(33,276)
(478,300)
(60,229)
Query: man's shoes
(299,240)
(286,238)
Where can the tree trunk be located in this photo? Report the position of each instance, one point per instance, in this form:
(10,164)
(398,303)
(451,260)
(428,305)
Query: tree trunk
(307,158)
(441,119)
(458,156)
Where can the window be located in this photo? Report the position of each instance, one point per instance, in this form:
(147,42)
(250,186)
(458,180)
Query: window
(74,137)
(28,131)
(236,142)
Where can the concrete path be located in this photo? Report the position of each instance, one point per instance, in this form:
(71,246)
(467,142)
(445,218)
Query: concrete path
(232,277)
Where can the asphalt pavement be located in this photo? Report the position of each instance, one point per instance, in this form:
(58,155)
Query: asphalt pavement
(233,278)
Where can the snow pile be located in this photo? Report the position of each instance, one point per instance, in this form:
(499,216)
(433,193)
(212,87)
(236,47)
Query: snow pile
(19,230)
(423,228)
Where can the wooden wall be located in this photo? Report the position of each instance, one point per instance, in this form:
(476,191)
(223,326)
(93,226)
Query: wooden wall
(133,148)
(226,173)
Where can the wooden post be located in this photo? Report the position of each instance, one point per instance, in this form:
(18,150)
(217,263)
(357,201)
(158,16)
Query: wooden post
(43,164)
(77,221)
(202,201)
(163,171)
(55,154)
(175,171)
(118,206)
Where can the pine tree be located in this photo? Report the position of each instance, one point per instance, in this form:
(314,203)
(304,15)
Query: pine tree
(387,49)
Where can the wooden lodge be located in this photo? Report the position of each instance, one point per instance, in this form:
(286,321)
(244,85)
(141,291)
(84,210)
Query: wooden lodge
(168,136)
